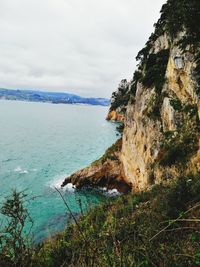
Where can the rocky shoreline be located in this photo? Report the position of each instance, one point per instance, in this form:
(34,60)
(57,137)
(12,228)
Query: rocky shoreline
(105,172)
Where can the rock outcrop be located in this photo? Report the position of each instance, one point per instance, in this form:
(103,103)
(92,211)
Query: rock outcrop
(105,172)
(114,115)
(119,102)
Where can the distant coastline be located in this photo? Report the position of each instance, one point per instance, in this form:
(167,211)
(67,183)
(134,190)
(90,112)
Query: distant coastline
(50,97)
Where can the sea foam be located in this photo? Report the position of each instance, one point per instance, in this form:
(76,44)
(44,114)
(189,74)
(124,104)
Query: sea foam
(57,182)
(20,170)
(110,192)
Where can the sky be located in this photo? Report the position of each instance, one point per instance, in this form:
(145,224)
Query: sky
(80,46)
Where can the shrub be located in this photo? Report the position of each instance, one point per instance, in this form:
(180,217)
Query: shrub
(111,152)
(120,128)
(155,69)
(15,241)
(136,78)
(176,104)
(134,230)
(180,145)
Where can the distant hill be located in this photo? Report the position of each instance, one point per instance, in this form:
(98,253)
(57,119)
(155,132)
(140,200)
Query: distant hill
(52,97)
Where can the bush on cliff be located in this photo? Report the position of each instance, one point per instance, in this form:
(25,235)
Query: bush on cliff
(155,68)
(179,145)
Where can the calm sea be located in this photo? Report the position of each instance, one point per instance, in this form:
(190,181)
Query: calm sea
(40,144)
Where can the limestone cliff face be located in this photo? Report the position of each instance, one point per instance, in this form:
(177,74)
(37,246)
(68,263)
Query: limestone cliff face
(143,135)
(160,107)
(140,142)
(160,138)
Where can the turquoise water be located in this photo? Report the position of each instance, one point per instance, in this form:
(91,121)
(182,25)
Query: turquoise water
(40,144)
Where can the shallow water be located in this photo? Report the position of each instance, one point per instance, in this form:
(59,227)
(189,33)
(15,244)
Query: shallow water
(42,143)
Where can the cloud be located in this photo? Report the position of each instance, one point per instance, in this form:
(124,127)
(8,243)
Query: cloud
(85,47)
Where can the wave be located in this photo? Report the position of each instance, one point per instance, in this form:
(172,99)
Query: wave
(57,182)
(111,192)
(20,170)
(70,187)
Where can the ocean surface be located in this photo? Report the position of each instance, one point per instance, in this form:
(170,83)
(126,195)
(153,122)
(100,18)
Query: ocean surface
(40,144)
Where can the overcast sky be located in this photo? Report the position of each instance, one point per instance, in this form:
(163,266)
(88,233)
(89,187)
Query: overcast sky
(80,46)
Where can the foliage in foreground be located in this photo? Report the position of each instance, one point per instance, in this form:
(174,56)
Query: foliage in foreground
(158,228)
(15,241)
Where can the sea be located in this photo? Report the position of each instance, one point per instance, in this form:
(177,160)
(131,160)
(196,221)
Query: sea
(40,145)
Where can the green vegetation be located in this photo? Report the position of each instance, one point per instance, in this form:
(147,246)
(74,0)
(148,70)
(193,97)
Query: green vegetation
(136,78)
(121,97)
(15,241)
(183,15)
(111,152)
(176,16)
(155,68)
(120,128)
(176,104)
(120,101)
(178,146)
(157,228)
(154,105)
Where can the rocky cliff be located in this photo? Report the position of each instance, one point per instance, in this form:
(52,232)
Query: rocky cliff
(160,123)
(160,106)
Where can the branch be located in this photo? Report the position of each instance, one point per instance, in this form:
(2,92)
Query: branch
(71,213)
(176,220)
